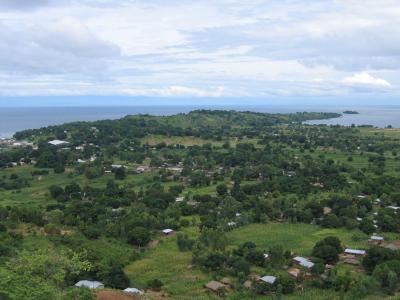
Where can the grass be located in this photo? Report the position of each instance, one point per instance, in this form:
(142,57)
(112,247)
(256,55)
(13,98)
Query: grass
(167,263)
(298,237)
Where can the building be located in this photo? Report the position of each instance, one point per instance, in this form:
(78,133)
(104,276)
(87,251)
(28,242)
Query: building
(351,261)
(354,251)
(117,166)
(134,291)
(268,279)
(140,170)
(167,231)
(58,143)
(394,207)
(375,239)
(294,272)
(89,284)
(217,286)
(304,262)
(179,199)
(395,245)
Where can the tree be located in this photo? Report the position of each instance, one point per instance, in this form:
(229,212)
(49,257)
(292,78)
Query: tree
(376,255)
(367,226)
(112,274)
(328,249)
(139,236)
(222,189)
(120,173)
(327,253)
(154,284)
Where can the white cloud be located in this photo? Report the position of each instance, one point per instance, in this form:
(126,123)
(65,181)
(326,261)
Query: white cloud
(366,79)
(177,91)
(182,47)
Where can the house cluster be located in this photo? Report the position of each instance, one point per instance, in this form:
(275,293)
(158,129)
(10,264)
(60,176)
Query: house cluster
(94,285)
(225,285)
(13,143)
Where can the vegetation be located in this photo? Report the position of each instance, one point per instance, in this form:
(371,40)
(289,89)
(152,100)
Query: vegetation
(245,195)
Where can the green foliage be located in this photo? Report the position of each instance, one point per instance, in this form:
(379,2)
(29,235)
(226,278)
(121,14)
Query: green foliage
(154,284)
(328,250)
(139,236)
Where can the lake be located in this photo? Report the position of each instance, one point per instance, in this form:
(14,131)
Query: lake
(13,119)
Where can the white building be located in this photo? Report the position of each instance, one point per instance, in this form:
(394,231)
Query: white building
(167,231)
(268,279)
(58,142)
(354,251)
(304,262)
(133,291)
(89,284)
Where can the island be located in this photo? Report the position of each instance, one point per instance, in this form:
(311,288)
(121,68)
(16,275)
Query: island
(351,112)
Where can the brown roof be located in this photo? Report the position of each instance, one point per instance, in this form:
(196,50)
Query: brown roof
(294,272)
(226,280)
(395,245)
(247,284)
(215,286)
(352,261)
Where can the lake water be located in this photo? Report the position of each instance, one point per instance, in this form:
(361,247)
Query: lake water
(13,119)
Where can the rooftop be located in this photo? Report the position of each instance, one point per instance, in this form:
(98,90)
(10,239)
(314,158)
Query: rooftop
(268,279)
(304,262)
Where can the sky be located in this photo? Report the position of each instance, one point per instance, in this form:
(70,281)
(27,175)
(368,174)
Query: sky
(203,49)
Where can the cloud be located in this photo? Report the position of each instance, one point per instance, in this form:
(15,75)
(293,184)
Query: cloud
(71,35)
(366,79)
(204,48)
(23,4)
(177,91)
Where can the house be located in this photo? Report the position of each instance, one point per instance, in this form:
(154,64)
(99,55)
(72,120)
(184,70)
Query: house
(354,251)
(167,231)
(175,169)
(140,170)
(327,210)
(58,143)
(266,255)
(248,284)
(375,239)
(351,261)
(395,245)
(89,284)
(294,272)
(268,279)
(80,161)
(216,286)
(226,280)
(304,262)
(133,291)
(117,166)
(179,199)
(394,207)
(231,224)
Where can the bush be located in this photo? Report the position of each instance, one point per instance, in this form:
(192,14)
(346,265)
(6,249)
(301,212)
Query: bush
(139,236)
(154,284)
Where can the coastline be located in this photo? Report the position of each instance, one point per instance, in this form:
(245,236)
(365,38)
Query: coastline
(13,119)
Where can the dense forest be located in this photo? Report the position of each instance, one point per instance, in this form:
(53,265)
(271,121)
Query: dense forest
(203,205)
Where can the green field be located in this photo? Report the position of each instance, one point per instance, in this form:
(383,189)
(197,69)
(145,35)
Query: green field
(167,263)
